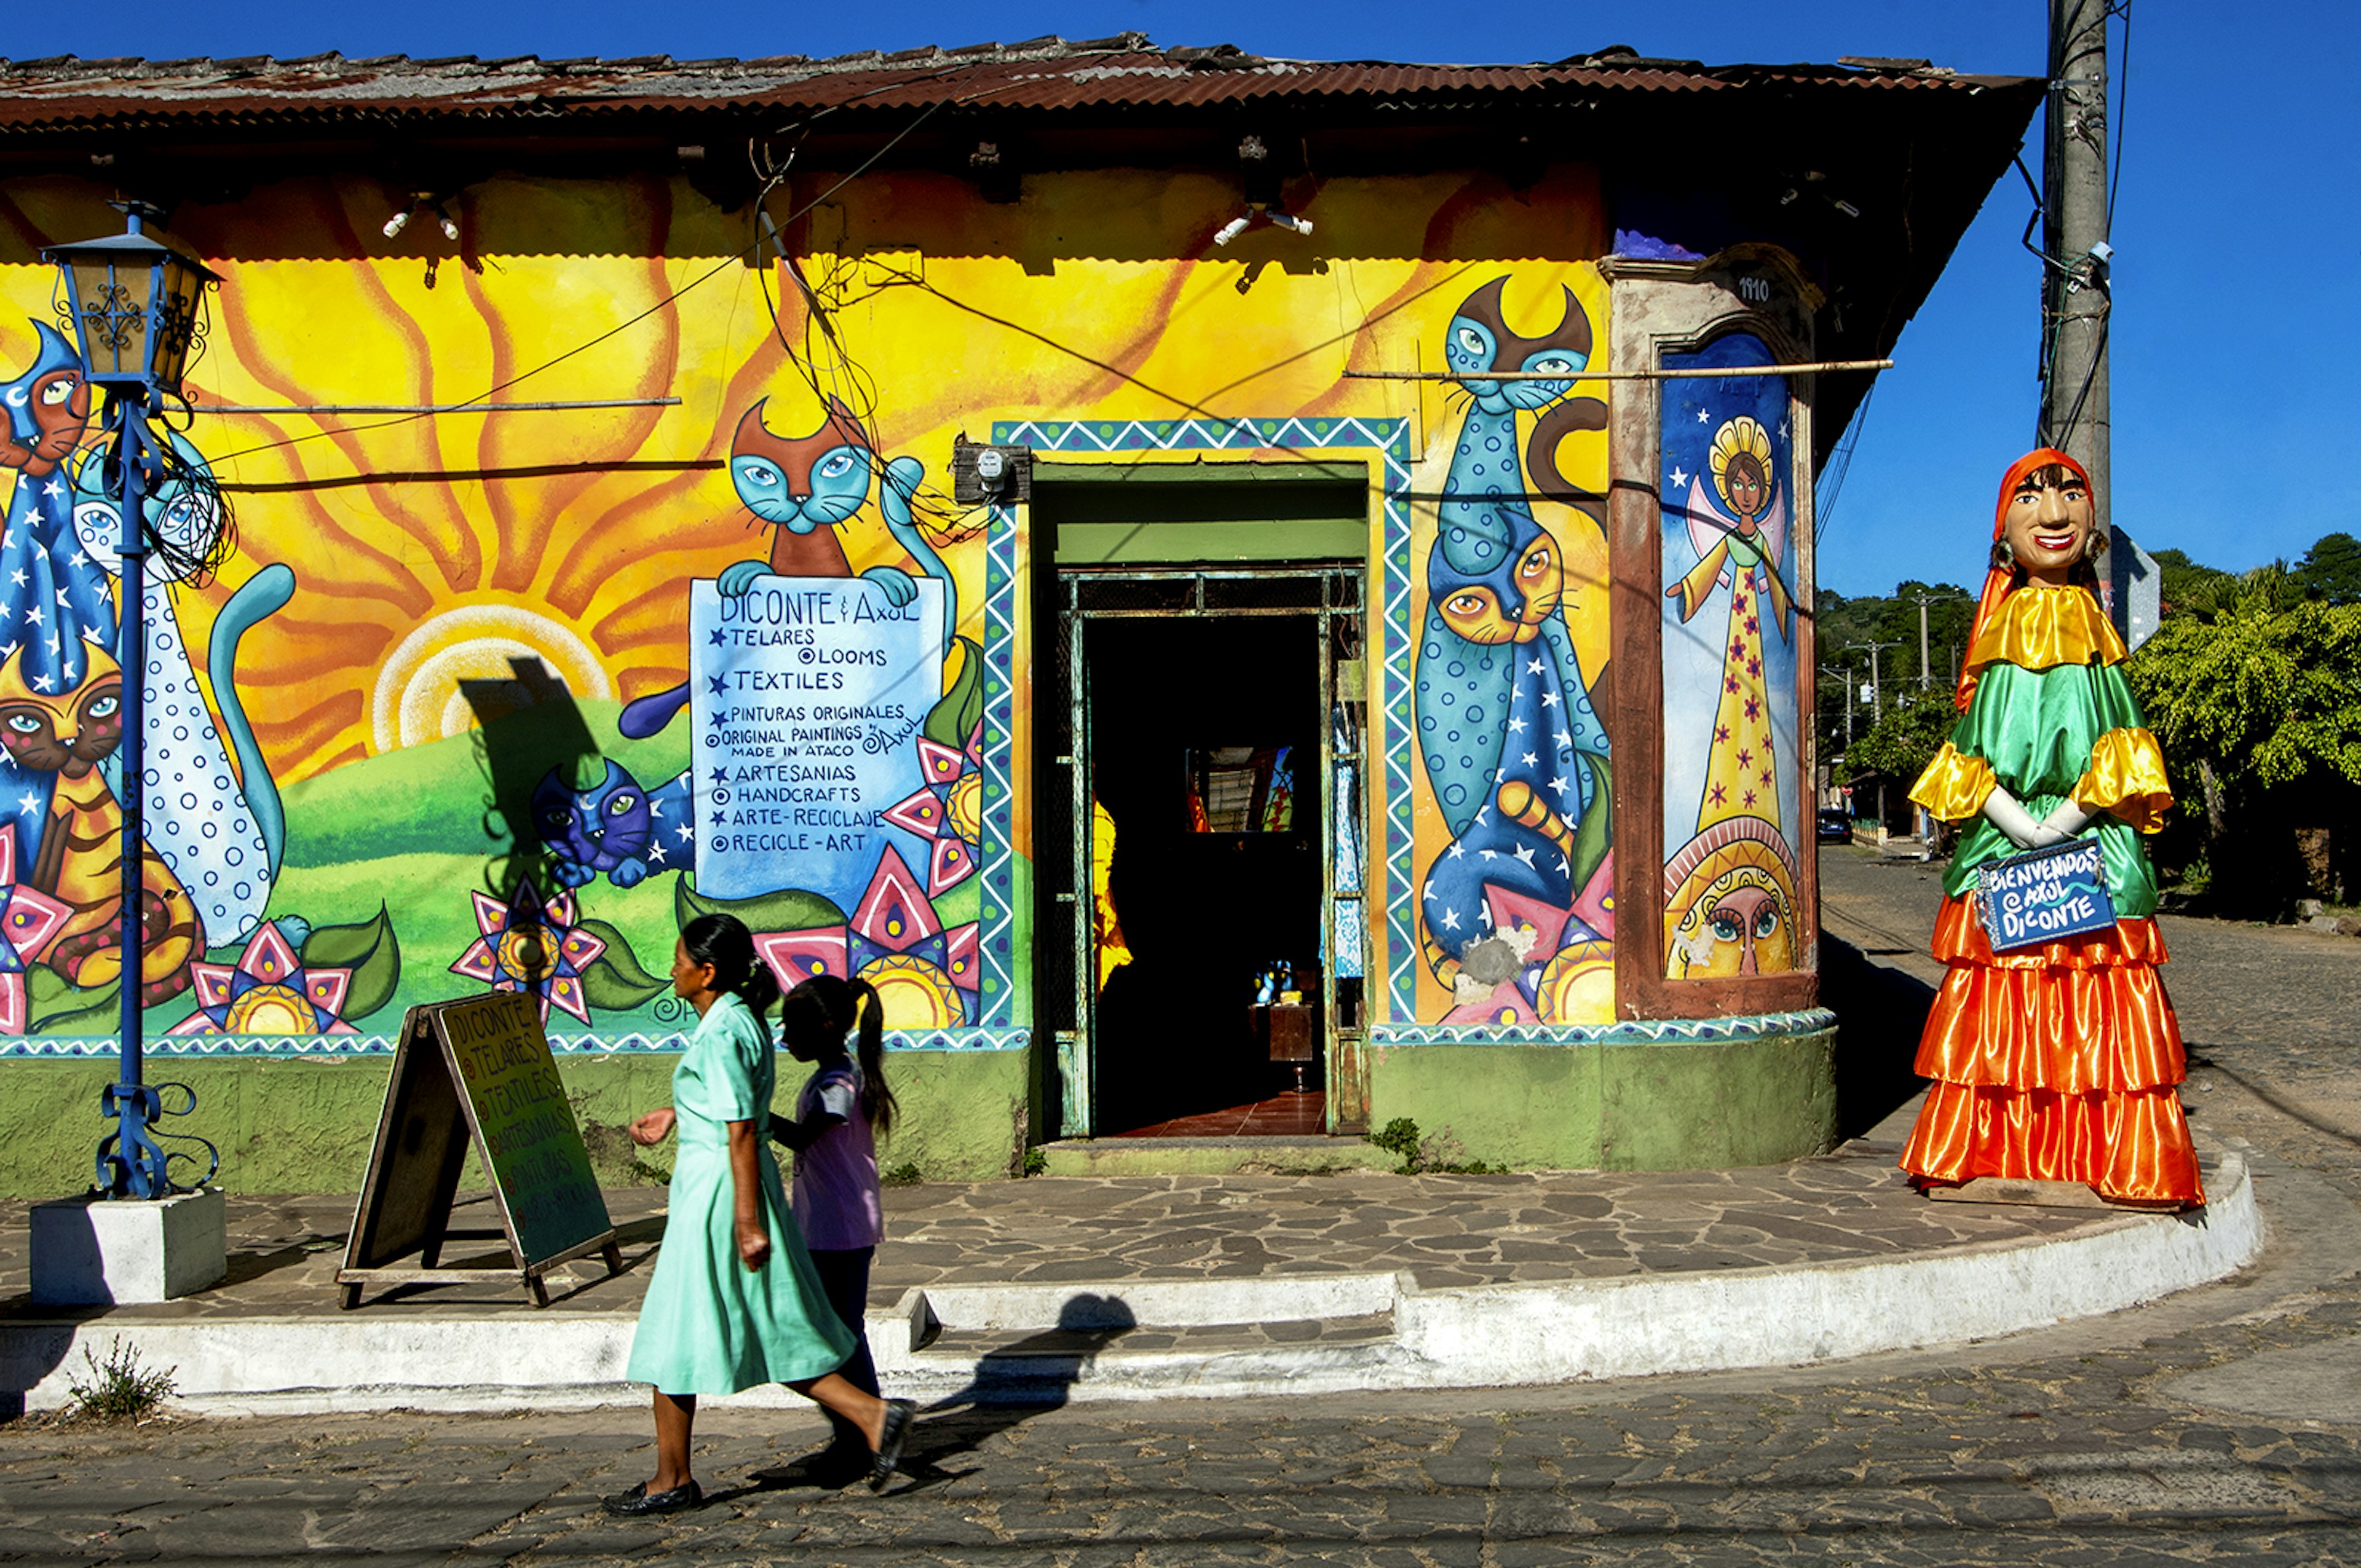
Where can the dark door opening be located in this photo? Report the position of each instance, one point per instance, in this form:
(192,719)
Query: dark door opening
(1205,752)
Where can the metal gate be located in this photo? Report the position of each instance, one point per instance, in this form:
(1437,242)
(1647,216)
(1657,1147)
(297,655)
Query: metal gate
(1067,957)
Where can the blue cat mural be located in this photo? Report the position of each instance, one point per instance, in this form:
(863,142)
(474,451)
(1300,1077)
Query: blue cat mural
(615,828)
(1512,744)
(806,488)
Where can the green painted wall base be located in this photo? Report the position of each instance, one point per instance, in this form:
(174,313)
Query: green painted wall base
(306,1125)
(1614,1106)
(1212,1156)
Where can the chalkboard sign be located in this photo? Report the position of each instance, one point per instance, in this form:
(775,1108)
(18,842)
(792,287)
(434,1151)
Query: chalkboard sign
(479,1071)
(2044,895)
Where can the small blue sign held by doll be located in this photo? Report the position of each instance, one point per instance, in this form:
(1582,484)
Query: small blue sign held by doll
(2044,895)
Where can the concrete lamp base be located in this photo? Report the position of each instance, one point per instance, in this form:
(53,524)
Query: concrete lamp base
(89,1250)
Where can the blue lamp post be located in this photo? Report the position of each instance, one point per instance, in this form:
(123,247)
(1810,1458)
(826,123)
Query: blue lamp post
(135,303)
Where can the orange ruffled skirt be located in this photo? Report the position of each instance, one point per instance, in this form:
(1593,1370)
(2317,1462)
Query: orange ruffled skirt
(2061,1062)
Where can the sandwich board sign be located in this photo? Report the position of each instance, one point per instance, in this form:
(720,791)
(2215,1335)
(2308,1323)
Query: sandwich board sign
(476,1071)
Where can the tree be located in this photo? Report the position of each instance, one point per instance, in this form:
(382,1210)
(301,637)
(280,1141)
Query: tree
(2258,690)
(2255,693)
(2186,582)
(2331,570)
(1901,745)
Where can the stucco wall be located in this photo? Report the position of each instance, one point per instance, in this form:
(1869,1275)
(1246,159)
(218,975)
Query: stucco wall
(1616,1105)
(306,1126)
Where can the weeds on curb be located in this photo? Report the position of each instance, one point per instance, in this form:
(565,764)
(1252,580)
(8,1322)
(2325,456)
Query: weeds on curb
(119,1388)
(1436,1153)
(905,1174)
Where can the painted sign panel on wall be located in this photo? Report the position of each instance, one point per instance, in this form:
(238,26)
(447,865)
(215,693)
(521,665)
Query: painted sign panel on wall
(1732,799)
(807,698)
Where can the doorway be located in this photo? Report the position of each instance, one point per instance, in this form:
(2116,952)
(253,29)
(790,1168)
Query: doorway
(1212,904)
(1204,737)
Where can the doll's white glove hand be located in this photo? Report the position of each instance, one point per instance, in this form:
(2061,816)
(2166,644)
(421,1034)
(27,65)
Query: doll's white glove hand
(2002,810)
(2069,820)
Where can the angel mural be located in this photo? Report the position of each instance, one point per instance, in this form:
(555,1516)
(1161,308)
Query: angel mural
(1731,884)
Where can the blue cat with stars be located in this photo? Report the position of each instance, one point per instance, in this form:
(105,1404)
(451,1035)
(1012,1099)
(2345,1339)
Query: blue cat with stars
(615,827)
(1512,744)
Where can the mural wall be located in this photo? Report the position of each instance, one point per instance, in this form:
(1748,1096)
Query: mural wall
(1732,806)
(1515,842)
(498,698)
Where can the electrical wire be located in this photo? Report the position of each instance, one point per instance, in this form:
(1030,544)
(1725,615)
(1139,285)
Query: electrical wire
(2122,75)
(1831,487)
(701,279)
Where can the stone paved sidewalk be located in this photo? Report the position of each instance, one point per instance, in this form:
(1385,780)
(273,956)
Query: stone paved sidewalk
(1442,1230)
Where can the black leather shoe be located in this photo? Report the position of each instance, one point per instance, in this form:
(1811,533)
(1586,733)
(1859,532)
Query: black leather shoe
(640,1501)
(889,1442)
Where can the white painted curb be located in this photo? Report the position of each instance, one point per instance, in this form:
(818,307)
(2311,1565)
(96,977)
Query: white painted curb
(1475,1336)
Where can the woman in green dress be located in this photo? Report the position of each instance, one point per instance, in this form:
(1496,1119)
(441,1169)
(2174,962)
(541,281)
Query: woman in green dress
(735,1302)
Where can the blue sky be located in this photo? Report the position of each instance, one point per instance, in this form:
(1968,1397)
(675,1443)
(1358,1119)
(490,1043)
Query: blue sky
(2238,326)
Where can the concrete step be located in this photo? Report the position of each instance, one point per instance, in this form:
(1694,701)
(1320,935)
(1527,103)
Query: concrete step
(1052,1365)
(1214,1156)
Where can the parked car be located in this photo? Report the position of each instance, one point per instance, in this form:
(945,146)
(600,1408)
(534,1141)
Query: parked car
(1836,828)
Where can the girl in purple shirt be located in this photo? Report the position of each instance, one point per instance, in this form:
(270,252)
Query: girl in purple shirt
(840,1110)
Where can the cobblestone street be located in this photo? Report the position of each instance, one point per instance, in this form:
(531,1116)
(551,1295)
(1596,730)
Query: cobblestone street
(2222,1425)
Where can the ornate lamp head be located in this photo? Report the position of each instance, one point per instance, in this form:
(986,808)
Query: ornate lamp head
(135,303)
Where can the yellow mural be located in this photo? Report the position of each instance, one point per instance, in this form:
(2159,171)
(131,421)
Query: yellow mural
(477,593)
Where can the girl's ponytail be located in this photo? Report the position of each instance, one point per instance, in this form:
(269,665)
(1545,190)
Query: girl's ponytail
(877,1101)
(759,990)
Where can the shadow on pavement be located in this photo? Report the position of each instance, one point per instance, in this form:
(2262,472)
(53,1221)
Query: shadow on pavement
(1880,1013)
(1012,1384)
(2273,1099)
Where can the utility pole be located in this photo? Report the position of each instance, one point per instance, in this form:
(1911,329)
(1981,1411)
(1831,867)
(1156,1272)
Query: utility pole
(1926,599)
(1877,701)
(1845,683)
(2075,221)
(1876,686)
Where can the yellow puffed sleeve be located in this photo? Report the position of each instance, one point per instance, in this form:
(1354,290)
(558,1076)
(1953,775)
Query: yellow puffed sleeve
(1954,785)
(2126,777)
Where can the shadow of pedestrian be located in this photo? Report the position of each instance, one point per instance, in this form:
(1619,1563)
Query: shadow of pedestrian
(1012,1384)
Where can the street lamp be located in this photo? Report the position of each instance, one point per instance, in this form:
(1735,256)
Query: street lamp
(136,305)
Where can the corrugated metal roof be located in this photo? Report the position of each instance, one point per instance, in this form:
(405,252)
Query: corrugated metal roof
(1042,74)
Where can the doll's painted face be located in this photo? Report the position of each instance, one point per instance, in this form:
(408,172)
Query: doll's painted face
(2048,525)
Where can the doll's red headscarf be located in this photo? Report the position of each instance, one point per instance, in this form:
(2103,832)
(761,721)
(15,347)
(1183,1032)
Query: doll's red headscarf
(2001,581)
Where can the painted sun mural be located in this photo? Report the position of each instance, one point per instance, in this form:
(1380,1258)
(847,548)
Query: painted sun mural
(443,700)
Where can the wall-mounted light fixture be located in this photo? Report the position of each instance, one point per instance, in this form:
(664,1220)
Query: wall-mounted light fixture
(424,202)
(1257,214)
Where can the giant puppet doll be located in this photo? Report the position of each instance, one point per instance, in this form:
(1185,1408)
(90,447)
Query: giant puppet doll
(2053,1059)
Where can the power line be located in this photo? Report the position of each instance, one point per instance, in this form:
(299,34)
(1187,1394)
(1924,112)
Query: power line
(664,304)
